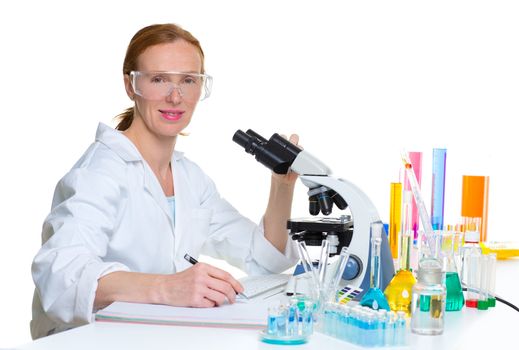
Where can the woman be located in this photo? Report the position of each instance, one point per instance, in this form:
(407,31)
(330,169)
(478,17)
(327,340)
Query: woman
(126,214)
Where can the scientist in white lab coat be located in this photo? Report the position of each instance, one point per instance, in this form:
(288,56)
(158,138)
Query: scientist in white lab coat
(125,215)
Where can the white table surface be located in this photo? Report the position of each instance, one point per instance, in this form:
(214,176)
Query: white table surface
(496,328)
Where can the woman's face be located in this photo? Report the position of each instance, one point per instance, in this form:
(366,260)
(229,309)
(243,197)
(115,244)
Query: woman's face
(165,115)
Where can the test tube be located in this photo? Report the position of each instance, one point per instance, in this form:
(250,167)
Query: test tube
(400,329)
(406,232)
(395,217)
(341,266)
(308,318)
(308,267)
(323,261)
(382,327)
(292,324)
(281,321)
(472,264)
(390,330)
(376,241)
(420,204)
(438,188)
(415,161)
(483,283)
(491,286)
(272,326)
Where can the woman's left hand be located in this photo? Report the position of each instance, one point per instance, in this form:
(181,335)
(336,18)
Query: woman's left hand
(289,178)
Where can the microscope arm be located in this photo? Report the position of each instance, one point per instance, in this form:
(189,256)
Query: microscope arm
(363,213)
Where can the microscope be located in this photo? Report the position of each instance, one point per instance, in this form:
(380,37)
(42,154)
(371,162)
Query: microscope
(325,191)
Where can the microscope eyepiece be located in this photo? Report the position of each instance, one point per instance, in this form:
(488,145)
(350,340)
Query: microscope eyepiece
(248,142)
(277,153)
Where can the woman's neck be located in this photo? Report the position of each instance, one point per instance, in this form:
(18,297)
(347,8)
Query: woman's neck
(156,150)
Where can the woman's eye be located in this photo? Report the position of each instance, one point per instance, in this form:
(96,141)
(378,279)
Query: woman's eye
(190,80)
(158,80)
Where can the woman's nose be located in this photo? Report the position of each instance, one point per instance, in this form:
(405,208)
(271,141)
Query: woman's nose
(176,95)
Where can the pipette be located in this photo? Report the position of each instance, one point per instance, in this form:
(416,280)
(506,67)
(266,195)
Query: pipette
(422,210)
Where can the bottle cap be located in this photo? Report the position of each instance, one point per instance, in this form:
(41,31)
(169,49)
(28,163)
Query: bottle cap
(430,271)
(471,303)
(376,230)
(491,302)
(482,305)
(472,237)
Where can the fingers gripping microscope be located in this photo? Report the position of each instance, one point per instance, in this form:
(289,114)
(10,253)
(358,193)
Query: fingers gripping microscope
(281,156)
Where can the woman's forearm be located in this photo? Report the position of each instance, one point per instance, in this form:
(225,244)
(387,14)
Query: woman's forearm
(278,212)
(127,286)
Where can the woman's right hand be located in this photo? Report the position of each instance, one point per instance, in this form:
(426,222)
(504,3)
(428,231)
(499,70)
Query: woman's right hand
(201,285)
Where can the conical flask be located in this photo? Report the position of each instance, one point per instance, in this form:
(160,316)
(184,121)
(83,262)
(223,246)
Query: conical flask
(449,249)
(374,298)
(399,291)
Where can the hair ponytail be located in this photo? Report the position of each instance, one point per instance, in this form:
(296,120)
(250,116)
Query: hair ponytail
(125,119)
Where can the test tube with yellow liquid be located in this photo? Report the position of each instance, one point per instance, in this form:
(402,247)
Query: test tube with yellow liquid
(395,218)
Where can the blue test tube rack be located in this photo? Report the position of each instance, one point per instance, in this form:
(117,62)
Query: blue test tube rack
(290,324)
(364,326)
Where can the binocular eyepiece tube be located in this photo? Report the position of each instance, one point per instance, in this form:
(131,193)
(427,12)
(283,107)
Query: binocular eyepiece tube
(277,153)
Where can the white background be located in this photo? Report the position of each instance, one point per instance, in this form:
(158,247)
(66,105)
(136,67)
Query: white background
(357,81)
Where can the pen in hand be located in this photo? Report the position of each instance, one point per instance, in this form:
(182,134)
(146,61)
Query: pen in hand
(193,261)
(190,259)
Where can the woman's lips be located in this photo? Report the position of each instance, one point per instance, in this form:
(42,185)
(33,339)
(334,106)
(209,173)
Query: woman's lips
(171,114)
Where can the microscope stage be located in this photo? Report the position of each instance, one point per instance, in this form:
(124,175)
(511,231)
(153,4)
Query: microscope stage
(320,224)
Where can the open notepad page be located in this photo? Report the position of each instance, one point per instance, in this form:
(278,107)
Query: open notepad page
(237,315)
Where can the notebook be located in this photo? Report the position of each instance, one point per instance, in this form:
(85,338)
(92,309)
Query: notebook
(238,315)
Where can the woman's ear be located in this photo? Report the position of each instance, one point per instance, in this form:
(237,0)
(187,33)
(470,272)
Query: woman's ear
(128,86)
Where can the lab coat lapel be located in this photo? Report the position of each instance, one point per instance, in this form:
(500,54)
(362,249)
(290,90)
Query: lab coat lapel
(184,205)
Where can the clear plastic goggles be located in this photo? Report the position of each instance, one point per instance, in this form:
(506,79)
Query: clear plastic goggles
(157,85)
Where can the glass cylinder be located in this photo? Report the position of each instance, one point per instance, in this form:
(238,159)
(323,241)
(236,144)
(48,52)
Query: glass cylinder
(428,304)
(474,202)
(395,216)
(438,187)
(416,162)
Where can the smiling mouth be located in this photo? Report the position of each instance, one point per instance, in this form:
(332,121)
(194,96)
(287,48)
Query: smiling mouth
(171,115)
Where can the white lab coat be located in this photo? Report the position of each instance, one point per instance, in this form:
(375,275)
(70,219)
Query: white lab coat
(109,213)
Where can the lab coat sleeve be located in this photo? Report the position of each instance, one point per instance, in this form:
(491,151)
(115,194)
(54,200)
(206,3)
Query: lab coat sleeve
(240,241)
(75,236)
